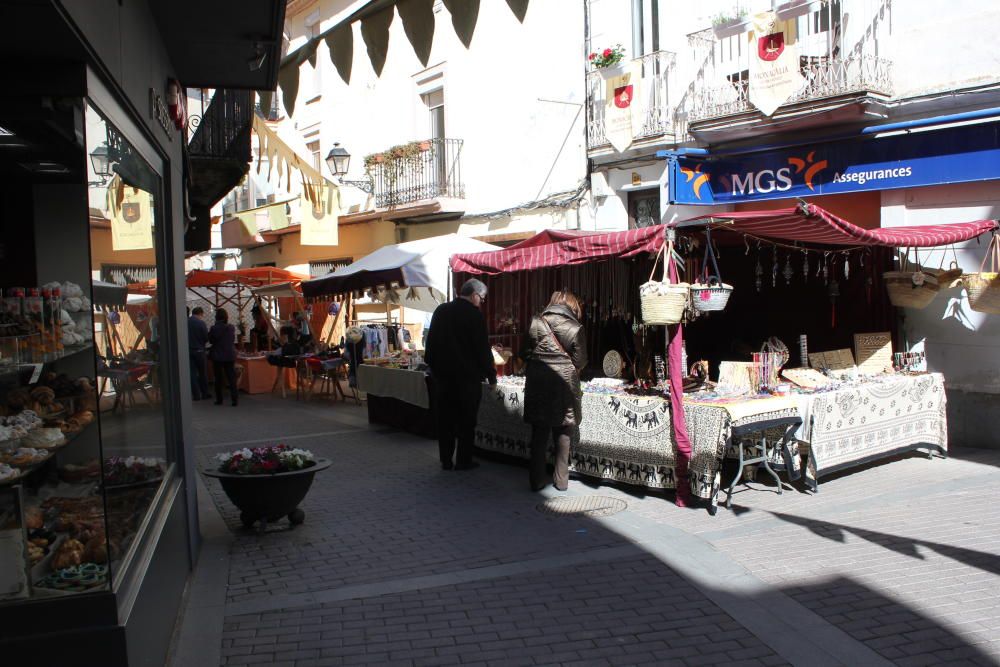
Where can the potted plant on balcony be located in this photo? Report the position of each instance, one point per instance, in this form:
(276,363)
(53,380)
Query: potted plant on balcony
(727,24)
(608,61)
(267,483)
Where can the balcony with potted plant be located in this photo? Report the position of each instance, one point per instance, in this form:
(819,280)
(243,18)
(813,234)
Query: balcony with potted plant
(653,118)
(841,50)
(424,173)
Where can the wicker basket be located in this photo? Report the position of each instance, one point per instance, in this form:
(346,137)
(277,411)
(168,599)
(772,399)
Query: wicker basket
(663,302)
(984,287)
(710,296)
(910,289)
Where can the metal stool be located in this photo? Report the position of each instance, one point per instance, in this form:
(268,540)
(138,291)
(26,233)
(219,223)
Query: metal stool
(752,452)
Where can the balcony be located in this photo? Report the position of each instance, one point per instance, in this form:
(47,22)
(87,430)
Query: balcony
(421,172)
(654,117)
(220,146)
(841,62)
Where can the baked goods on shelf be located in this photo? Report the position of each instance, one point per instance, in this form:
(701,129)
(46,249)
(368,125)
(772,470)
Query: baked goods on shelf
(69,553)
(76,578)
(24,456)
(71,472)
(45,438)
(8,473)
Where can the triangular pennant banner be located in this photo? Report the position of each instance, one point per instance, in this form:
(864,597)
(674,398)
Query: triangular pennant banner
(288,81)
(265,97)
(519,7)
(418,23)
(249,223)
(278,216)
(340,42)
(375,32)
(464,14)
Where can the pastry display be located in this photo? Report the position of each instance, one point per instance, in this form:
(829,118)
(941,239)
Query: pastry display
(45,438)
(24,456)
(8,473)
(33,518)
(72,472)
(69,553)
(76,578)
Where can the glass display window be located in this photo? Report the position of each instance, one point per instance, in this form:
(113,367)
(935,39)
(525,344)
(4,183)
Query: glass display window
(84,454)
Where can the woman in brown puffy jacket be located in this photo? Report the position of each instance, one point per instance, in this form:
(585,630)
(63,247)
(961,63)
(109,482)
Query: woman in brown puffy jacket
(556,351)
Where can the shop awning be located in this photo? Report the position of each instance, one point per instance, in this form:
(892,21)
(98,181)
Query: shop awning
(561,248)
(253,277)
(809,223)
(278,290)
(403,269)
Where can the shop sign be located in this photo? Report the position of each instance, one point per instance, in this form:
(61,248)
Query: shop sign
(955,155)
(158,111)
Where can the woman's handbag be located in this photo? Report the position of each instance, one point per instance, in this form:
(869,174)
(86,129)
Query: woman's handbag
(984,287)
(663,302)
(712,294)
(911,286)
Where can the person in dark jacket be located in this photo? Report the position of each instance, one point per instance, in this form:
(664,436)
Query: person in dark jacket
(222,337)
(556,351)
(459,355)
(197,338)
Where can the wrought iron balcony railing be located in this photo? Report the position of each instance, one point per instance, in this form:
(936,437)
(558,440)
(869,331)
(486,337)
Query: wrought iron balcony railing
(836,57)
(224,130)
(655,109)
(433,171)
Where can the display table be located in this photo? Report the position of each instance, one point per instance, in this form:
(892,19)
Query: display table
(398,397)
(872,420)
(628,439)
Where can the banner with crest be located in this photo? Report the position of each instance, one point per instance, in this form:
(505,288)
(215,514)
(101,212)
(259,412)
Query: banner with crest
(318,218)
(621,88)
(774,62)
(131,214)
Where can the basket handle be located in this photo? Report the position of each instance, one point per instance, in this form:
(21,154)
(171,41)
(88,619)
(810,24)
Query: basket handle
(710,254)
(669,250)
(992,255)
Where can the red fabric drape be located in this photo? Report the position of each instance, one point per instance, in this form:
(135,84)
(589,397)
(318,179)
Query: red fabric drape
(675,333)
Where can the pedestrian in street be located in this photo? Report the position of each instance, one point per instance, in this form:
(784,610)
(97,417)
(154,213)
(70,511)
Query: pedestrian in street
(459,356)
(556,351)
(301,323)
(197,338)
(222,337)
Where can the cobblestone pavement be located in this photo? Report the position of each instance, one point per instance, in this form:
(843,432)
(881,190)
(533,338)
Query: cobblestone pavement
(399,562)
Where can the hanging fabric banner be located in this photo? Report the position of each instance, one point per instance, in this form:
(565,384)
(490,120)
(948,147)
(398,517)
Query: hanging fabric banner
(282,158)
(319,222)
(278,216)
(621,87)
(249,223)
(774,62)
(131,217)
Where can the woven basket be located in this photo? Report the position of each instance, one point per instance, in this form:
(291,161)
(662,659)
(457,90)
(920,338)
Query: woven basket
(663,302)
(984,287)
(710,296)
(904,292)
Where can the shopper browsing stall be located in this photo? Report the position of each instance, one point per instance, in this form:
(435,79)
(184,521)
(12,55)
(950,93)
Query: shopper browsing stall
(460,358)
(197,339)
(556,352)
(222,337)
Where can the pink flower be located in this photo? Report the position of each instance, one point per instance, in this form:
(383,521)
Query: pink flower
(591,56)
(607,53)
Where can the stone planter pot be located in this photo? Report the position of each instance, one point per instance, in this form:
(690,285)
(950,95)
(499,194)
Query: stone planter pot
(264,498)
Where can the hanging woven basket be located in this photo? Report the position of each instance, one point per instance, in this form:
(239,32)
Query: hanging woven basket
(663,302)
(983,287)
(711,294)
(911,286)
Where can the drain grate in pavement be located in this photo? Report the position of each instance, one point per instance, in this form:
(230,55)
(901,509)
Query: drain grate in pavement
(582,506)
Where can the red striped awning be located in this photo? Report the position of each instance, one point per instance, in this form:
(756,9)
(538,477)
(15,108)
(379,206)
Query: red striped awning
(809,223)
(561,248)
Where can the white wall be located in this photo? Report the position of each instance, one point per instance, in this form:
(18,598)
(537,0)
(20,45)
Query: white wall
(515,97)
(961,343)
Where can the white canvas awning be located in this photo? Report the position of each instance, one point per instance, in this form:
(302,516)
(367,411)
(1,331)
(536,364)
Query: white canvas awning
(414,274)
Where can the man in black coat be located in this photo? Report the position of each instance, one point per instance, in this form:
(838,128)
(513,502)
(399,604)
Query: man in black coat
(459,355)
(197,339)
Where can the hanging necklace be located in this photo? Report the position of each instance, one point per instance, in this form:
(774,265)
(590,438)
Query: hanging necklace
(805,265)
(826,268)
(847,265)
(774,266)
(788,269)
(759,272)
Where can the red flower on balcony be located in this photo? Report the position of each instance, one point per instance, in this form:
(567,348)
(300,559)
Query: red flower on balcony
(608,57)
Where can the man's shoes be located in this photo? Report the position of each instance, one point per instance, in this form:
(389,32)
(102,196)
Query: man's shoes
(235,403)
(447,465)
(471,465)
(218,402)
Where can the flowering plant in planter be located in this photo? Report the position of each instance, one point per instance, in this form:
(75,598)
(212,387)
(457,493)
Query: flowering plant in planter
(263,460)
(607,57)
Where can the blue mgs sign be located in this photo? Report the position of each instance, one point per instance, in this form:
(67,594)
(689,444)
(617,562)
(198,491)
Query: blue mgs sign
(954,155)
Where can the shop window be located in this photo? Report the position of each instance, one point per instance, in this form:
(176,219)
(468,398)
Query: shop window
(83,434)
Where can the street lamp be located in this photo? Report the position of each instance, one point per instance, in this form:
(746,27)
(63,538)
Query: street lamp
(337,161)
(100,160)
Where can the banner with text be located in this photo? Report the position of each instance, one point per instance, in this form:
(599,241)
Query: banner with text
(621,88)
(953,155)
(132,220)
(774,62)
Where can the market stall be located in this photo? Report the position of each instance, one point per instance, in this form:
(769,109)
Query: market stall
(877,404)
(407,277)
